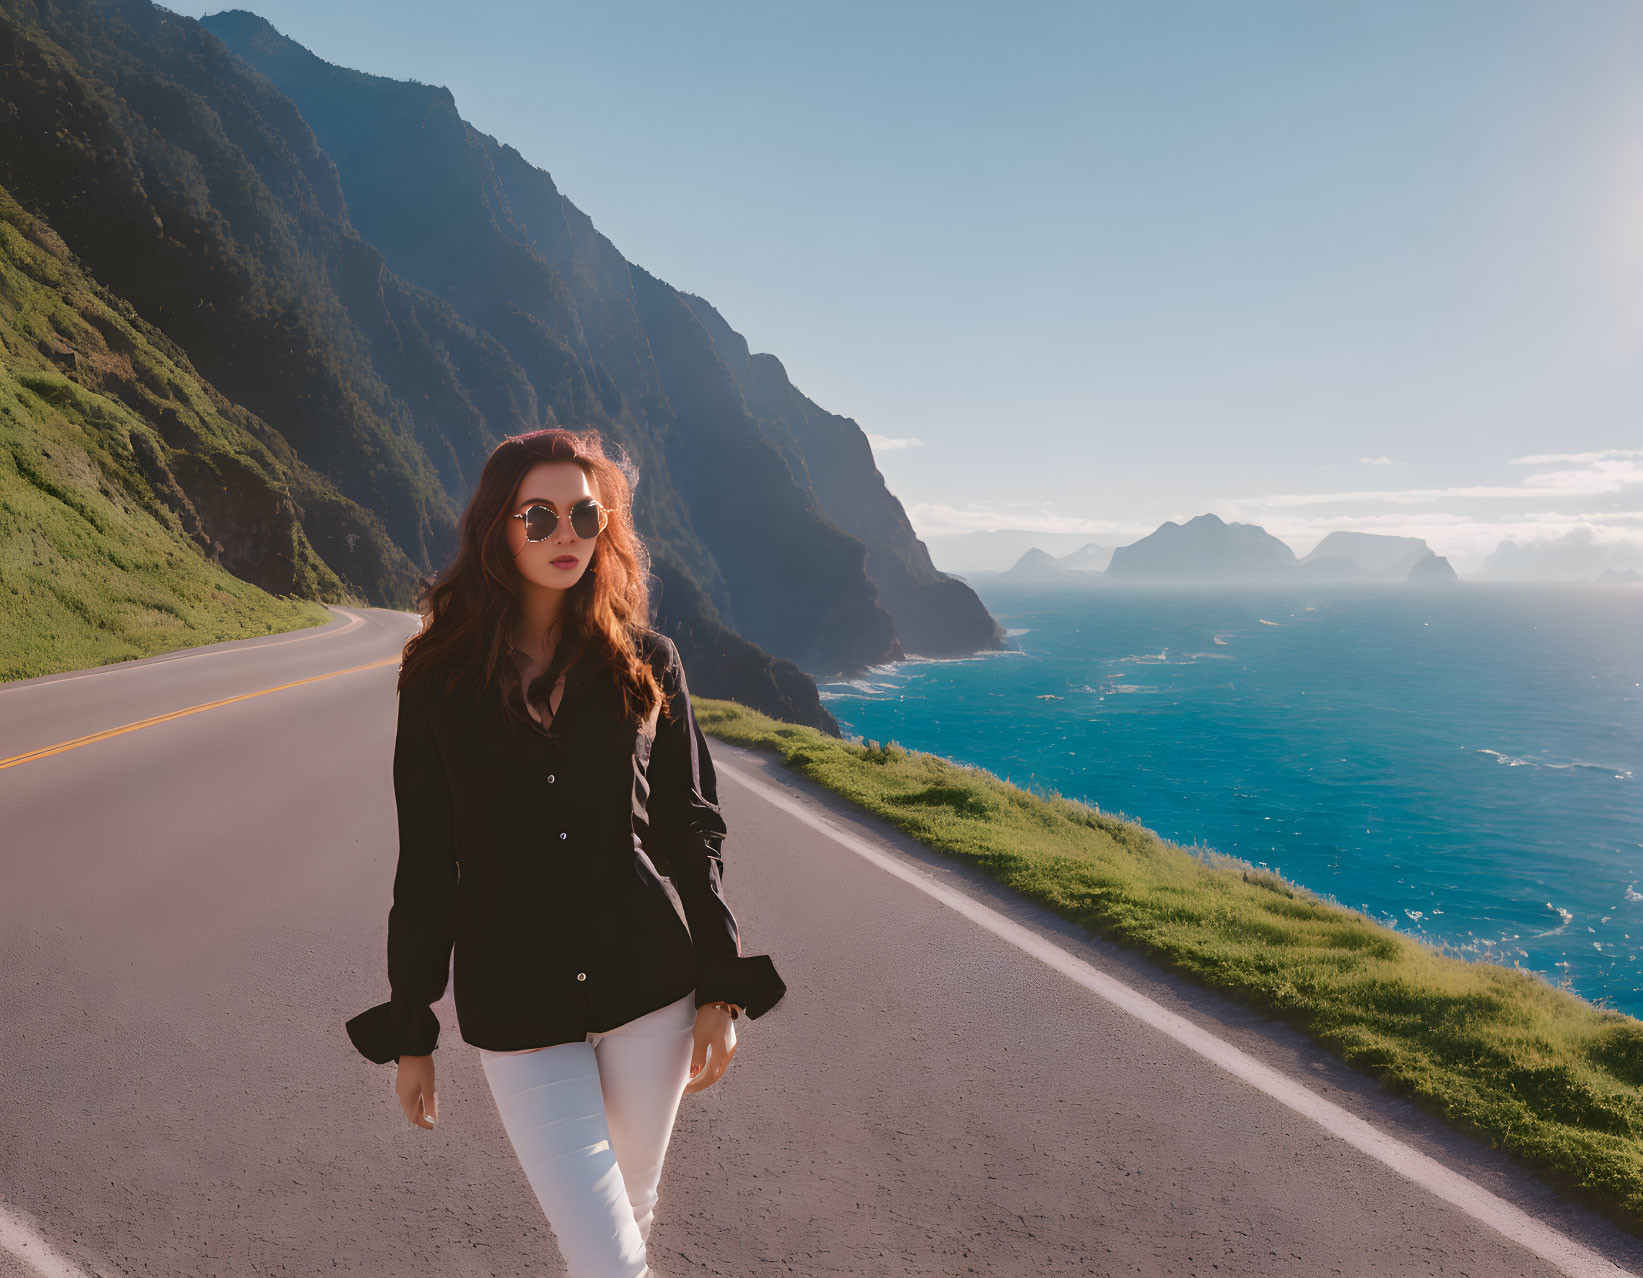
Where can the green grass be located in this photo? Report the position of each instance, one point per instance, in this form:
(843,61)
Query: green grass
(96,408)
(1496,1051)
(88,577)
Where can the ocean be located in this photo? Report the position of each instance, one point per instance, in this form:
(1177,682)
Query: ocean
(1464,763)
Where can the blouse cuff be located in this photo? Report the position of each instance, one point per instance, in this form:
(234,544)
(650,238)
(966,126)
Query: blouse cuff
(750,981)
(382,1035)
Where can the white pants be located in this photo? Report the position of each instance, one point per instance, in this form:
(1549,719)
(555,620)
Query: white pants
(590,1122)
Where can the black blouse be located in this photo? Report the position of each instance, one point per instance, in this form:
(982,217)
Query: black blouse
(537,857)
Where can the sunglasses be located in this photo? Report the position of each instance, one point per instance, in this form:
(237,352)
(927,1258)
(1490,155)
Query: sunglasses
(587,519)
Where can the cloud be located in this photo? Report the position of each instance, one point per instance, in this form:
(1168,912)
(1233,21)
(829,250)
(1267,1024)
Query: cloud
(1602,476)
(1596,474)
(1374,461)
(888,444)
(1552,459)
(1400,496)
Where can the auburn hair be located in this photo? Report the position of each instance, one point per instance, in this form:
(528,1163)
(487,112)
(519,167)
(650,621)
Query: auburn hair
(471,606)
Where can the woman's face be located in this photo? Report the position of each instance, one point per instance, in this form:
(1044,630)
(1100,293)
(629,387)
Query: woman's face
(557,562)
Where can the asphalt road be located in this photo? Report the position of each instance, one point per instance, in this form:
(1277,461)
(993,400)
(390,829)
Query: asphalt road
(192,908)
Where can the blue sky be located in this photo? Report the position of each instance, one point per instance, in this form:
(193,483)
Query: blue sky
(1087,267)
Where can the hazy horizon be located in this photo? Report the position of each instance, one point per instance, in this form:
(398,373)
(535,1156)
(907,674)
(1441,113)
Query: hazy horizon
(997,550)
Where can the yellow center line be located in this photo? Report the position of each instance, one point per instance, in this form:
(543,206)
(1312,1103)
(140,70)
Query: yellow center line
(47,751)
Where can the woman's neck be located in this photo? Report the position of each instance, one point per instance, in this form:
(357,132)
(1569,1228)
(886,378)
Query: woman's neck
(537,631)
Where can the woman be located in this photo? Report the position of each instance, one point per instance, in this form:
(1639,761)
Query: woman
(548,769)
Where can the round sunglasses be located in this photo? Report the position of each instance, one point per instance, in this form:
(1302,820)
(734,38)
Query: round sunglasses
(587,519)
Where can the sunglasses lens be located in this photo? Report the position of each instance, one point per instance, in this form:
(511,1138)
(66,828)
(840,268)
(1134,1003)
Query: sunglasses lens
(587,520)
(584,519)
(540,521)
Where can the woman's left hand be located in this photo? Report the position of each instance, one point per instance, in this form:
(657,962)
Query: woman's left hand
(716,1029)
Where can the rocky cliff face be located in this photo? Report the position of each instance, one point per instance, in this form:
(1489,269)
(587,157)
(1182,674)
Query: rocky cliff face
(936,615)
(466,217)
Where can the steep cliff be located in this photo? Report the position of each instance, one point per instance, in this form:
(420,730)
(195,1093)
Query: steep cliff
(421,184)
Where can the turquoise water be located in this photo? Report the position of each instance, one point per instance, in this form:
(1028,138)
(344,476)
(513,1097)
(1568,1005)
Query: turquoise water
(1465,764)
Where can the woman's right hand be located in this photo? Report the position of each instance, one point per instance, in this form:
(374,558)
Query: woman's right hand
(415,1088)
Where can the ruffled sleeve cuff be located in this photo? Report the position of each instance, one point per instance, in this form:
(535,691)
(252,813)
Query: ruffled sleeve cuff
(384,1033)
(748,980)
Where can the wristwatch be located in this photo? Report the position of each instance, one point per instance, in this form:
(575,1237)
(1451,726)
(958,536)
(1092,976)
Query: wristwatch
(735,1012)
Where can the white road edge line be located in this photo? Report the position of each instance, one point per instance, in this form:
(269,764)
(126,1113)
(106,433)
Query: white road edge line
(22,1240)
(1487,1208)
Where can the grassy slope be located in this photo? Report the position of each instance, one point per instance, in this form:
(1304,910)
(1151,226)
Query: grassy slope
(1494,1050)
(96,565)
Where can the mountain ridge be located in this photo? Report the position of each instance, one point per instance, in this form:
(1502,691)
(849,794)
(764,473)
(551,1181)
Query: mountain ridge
(734,402)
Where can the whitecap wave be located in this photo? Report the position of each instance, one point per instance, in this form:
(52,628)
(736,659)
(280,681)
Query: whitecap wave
(1159,658)
(857,688)
(1507,759)
(1559,765)
(1619,774)
(1562,914)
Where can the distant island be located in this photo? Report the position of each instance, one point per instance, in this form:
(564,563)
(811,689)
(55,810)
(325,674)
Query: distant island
(1206,550)
(1355,556)
(1203,549)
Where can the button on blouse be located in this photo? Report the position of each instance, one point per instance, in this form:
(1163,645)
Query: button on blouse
(550,945)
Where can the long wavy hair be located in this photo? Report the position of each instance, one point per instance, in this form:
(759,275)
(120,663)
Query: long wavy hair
(473,604)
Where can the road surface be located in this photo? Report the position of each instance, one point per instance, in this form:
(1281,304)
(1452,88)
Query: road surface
(956,1082)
